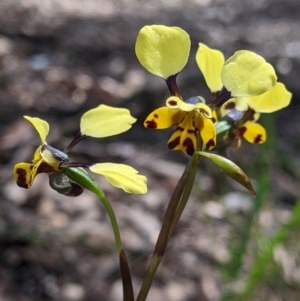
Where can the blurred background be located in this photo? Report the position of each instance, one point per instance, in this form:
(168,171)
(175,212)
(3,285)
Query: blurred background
(61,58)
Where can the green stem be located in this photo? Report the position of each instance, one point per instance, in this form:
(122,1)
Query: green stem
(186,193)
(80,176)
(174,210)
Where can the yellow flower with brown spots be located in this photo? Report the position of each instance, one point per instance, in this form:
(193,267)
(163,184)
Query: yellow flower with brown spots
(191,118)
(103,121)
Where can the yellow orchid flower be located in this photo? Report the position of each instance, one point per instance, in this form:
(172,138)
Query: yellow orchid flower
(102,121)
(273,100)
(249,130)
(191,117)
(245,78)
(244,74)
(164,52)
(249,83)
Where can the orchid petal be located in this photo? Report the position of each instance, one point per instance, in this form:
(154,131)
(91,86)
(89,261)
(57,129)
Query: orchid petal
(239,103)
(105,121)
(207,131)
(210,62)
(184,137)
(122,176)
(41,126)
(25,173)
(271,101)
(247,74)
(253,132)
(162,50)
(163,118)
(175,102)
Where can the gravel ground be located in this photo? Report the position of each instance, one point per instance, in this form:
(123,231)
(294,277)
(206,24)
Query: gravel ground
(60,58)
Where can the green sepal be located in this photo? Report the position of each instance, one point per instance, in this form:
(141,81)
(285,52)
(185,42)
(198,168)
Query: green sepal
(231,169)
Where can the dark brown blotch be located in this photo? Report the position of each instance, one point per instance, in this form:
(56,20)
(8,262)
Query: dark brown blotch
(172,103)
(210,144)
(258,139)
(151,124)
(21,180)
(172,144)
(191,131)
(204,112)
(229,106)
(189,146)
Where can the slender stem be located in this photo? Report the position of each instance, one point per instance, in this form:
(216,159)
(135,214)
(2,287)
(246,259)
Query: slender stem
(172,86)
(186,193)
(124,266)
(100,194)
(168,226)
(83,178)
(74,142)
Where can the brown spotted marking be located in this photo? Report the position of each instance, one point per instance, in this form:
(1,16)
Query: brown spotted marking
(210,144)
(151,124)
(45,168)
(21,180)
(229,105)
(174,143)
(205,113)
(189,146)
(191,131)
(155,116)
(258,139)
(172,103)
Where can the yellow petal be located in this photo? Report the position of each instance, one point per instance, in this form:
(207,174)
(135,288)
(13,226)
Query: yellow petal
(163,118)
(239,103)
(253,132)
(184,138)
(271,101)
(247,74)
(174,102)
(40,125)
(162,50)
(22,174)
(37,155)
(210,62)
(105,121)
(25,173)
(207,131)
(122,176)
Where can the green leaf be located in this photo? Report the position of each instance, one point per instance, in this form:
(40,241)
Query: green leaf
(231,169)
